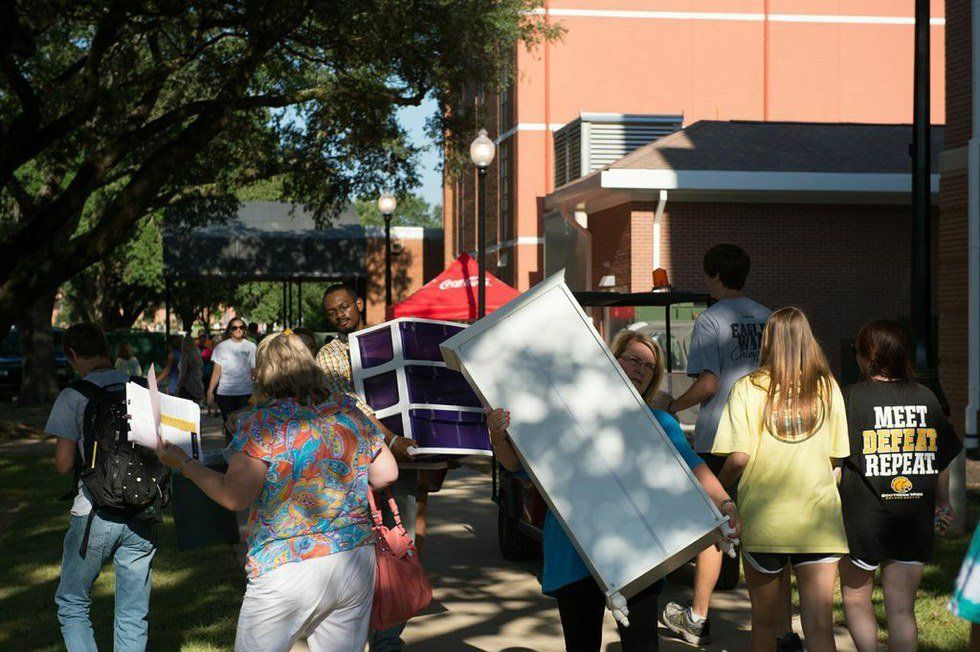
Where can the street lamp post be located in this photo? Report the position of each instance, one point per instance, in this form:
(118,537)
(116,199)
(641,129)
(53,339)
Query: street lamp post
(387,204)
(481,152)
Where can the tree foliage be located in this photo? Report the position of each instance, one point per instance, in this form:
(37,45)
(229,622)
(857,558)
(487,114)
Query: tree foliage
(412,211)
(116,110)
(117,289)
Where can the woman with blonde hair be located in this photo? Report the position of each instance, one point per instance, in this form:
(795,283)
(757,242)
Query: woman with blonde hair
(783,429)
(581,603)
(302,463)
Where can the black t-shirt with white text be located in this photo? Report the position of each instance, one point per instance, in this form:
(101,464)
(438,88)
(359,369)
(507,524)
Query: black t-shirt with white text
(900,442)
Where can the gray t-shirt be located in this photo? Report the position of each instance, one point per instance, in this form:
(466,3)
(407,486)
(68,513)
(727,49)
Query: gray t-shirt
(725,342)
(67,418)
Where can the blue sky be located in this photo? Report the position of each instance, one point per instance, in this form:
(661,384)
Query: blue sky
(413,119)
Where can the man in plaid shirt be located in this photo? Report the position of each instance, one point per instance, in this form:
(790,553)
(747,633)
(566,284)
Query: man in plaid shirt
(343,309)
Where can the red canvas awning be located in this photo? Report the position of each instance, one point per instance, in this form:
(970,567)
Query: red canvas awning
(452,294)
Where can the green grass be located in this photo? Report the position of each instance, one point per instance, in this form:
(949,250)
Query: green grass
(196,593)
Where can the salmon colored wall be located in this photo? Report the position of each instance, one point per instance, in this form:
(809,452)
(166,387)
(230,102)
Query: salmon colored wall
(713,69)
(708,69)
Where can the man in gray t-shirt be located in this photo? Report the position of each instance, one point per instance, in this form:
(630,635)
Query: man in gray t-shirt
(724,347)
(725,344)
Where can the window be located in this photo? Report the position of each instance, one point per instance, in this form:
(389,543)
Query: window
(505,189)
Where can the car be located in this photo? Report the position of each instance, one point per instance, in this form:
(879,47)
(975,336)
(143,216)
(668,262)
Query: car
(520,507)
(11,363)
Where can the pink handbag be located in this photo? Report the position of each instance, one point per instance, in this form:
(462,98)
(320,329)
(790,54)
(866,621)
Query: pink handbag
(401,589)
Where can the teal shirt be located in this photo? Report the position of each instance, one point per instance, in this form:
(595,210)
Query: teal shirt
(562,564)
(966,598)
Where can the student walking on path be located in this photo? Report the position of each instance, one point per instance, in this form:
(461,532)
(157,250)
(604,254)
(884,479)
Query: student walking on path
(190,379)
(894,486)
(94,537)
(303,462)
(231,379)
(126,362)
(581,603)
(782,430)
(724,348)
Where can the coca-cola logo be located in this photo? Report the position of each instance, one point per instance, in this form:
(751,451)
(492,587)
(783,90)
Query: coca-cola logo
(456,283)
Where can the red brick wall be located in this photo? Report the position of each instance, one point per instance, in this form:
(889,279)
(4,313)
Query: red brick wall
(958,76)
(953,278)
(611,246)
(408,272)
(953,292)
(843,265)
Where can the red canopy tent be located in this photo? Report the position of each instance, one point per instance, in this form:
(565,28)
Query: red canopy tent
(452,294)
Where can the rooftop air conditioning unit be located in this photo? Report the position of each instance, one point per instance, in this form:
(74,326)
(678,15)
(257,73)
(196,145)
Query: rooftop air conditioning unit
(594,140)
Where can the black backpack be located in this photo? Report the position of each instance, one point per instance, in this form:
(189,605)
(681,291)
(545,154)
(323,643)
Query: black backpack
(125,480)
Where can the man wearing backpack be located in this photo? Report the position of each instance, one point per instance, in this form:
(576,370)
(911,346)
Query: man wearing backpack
(108,520)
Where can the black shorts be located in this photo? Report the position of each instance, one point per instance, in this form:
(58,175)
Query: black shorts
(773,563)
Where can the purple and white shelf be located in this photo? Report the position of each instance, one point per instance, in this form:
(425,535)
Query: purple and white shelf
(398,370)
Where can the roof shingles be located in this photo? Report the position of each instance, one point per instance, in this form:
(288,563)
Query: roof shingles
(783,147)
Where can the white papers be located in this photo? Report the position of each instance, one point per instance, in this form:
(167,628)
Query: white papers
(142,425)
(180,423)
(179,419)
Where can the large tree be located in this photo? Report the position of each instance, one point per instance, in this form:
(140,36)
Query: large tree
(116,290)
(115,110)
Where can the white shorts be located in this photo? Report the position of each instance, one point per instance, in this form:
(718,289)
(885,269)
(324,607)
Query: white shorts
(872,566)
(326,600)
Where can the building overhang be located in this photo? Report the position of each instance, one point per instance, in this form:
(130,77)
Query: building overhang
(616,186)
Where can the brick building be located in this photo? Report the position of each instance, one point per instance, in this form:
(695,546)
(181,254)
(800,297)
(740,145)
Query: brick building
(779,60)
(822,209)
(953,221)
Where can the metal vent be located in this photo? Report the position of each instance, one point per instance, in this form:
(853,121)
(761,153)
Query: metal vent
(594,140)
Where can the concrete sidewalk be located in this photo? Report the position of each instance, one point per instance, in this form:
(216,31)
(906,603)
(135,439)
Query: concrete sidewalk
(482,602)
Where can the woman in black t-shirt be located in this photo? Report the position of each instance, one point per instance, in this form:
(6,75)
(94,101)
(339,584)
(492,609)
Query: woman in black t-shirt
(894,486)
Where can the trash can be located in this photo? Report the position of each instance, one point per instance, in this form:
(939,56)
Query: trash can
(200,521)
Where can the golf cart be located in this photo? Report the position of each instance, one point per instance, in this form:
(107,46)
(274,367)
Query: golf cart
(668,317)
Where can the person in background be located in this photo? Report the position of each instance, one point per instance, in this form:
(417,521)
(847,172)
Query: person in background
(308,337)
(129,543)
(253,332)
(581,603)
(965,602)
(190,379)
(206,346)
(781,446)
(230,385)
(894,486)
(126,362)
(303,462)
(724,348)
(171,368)
(343,309)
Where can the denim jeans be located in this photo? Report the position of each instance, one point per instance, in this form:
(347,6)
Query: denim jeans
(131,545)
(405,491)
